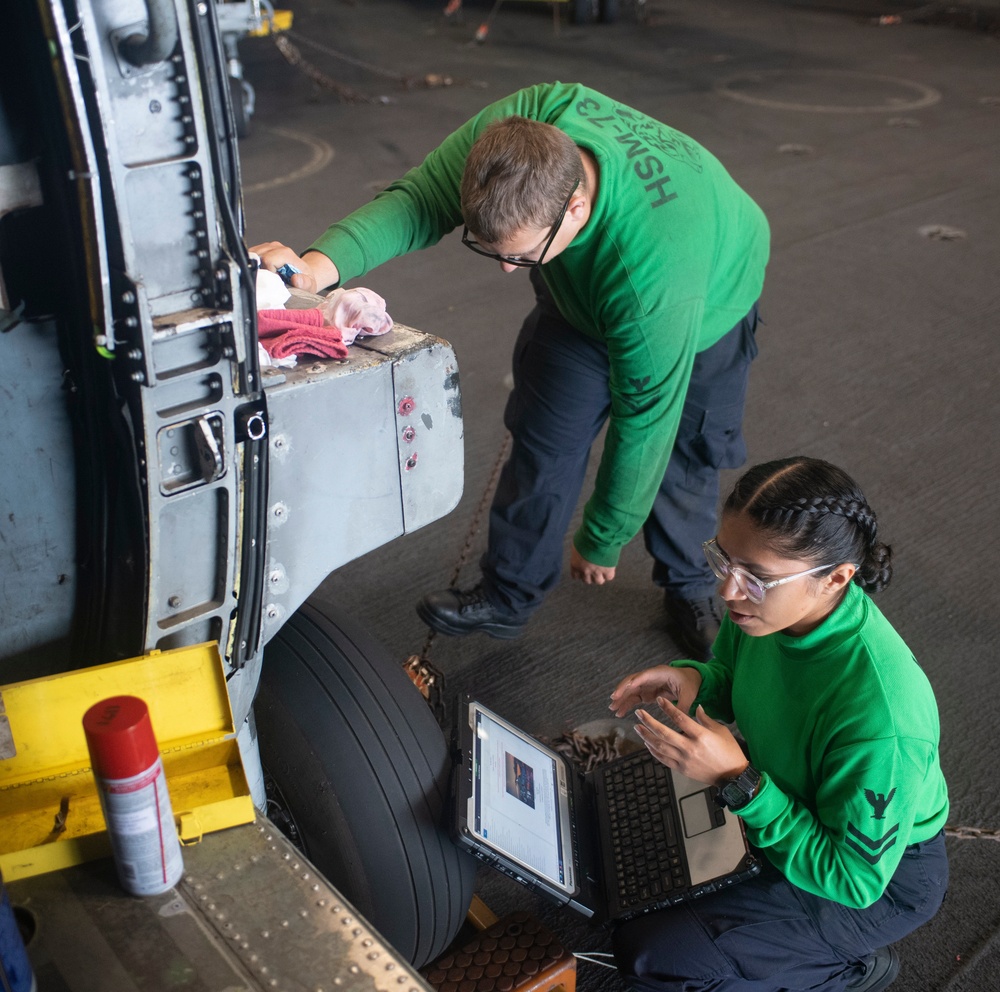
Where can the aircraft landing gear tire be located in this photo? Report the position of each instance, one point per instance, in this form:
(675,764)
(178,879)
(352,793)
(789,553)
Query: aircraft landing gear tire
(240,97)
(362,769)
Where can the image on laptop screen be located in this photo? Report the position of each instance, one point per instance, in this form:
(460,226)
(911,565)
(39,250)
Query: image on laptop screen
(519,804)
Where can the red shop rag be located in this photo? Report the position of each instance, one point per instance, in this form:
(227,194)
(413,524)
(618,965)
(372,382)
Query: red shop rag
(299,332)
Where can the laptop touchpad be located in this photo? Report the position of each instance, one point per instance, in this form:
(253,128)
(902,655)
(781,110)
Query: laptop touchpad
(696,814)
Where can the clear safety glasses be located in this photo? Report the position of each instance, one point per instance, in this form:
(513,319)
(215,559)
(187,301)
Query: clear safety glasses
(748,583)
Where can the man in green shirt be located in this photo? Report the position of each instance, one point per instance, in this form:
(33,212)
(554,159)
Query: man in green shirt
(647,261)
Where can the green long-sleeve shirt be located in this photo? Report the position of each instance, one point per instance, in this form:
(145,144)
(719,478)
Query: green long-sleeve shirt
(843,725)
(672,257)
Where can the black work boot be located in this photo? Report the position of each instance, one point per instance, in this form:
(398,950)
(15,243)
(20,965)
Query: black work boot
(880,971)
(457,612)
(692,624)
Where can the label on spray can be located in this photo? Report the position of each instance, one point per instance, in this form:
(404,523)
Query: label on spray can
(133,791)
(15,969)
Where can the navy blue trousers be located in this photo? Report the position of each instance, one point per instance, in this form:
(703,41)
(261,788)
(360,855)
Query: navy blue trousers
(767,935)
(559,404)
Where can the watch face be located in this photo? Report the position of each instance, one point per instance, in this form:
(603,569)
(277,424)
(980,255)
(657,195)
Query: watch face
(737,792)
(733,795)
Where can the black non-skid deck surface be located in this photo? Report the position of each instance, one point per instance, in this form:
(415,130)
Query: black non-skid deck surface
(873,149)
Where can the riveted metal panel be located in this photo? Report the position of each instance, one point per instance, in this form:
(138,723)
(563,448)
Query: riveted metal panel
(249,913)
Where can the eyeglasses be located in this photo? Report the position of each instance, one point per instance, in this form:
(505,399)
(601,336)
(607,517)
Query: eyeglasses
(525,263)
(748,584)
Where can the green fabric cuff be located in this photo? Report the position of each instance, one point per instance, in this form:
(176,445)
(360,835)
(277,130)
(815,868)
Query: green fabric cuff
(343,250)
(605,557)
(766,806)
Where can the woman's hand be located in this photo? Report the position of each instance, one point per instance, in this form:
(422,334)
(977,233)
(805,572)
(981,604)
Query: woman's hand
(315,270)
(700,748)
(680,684)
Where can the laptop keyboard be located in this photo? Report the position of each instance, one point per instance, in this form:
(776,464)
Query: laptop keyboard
(647,858)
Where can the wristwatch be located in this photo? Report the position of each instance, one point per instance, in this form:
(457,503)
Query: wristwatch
(737,792)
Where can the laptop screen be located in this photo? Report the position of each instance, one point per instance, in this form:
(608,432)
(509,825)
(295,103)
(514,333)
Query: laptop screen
(519,804)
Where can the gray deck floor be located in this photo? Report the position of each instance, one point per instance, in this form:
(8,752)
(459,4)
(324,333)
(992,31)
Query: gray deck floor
(879,350)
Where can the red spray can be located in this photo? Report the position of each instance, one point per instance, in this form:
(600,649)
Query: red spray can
(133,792)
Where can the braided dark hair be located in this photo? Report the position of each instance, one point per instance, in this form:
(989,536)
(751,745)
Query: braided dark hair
(816,512)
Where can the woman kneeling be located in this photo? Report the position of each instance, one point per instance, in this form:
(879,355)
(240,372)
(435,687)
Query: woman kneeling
(842,796)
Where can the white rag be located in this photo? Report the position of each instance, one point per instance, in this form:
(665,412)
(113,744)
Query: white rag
(356,313)
(271,291)
(288,362)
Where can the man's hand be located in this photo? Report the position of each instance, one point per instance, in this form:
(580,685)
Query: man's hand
(585,571)
(316,271)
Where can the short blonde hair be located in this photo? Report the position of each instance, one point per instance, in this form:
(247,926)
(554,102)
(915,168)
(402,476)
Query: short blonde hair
(519,174)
